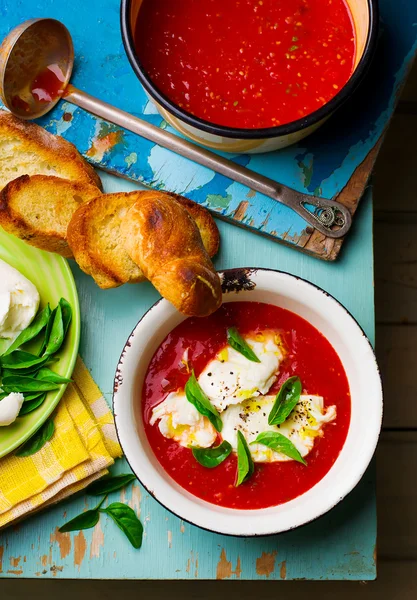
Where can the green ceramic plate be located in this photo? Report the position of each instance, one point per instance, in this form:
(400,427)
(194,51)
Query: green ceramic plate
(53,278)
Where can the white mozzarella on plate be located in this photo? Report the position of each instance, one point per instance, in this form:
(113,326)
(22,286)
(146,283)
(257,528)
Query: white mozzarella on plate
(231,377)
(19,301)
(302,427)
(10,407)
(180,420)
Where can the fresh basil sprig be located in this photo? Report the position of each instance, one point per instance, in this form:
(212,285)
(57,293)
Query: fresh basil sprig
(212,457)
(238,343)
(124,516)
(38,323)
(198,398)
(278,442)
(37,441)
(245,466)
(110,484)
(126,520)
(285,401)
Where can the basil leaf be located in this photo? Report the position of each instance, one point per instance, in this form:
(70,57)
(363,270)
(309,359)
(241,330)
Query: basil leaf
(39,322)
(18,359)
(198,398)
(110,484)
(126,519)
(31,405)
(245,466)
(46,374)
(29,397)
(66,311)
(278,442)
(47,332)
(37,441)
(56,336)
(285,401)
(26,384)
(85,520)
(240,345)
(212,457)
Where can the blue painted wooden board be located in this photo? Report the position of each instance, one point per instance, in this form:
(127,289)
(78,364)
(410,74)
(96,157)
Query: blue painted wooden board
(322,164)
(340,545)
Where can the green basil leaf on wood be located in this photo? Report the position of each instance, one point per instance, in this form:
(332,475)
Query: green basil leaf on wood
(278,442)
(245,466)
(285,401)
(18,359)
(27,384)
(46,374)
(30,405)
(56,335)
(198,398)
(212,457)
(126,519)
(85,520)
(39,322)
(238,343)
(37,441)
(110,484)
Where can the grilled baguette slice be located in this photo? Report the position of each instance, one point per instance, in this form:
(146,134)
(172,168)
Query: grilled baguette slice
(37,209)
(97,242)
(161,236)
(27,149)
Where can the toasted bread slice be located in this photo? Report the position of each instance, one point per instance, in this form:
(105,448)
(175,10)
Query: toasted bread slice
(97,241)
(27,149)
(37,209)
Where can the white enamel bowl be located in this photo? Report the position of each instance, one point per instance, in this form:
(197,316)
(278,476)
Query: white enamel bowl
(356,354)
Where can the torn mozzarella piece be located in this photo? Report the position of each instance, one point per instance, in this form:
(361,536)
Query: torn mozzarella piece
(180,420)
(304,424)
(231,377)
(10,407)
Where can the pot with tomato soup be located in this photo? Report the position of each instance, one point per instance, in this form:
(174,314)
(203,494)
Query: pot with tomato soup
(248,75)
(256,419)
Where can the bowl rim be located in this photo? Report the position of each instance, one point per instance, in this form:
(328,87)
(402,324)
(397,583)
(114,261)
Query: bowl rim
(322,511)
(251,134)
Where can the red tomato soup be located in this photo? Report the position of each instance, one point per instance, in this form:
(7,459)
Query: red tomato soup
(247,63)
(308,355)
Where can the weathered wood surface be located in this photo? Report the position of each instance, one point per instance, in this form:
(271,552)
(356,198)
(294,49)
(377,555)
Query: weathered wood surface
(395,197)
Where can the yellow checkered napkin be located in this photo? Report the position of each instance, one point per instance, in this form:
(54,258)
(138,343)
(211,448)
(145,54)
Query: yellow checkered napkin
(83,446)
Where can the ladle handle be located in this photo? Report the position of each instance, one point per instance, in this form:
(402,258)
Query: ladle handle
(326,214)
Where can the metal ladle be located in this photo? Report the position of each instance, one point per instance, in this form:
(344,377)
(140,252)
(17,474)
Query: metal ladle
(35,45)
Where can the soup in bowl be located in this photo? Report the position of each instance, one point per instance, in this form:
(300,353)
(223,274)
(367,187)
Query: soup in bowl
(254,420)
(248,75)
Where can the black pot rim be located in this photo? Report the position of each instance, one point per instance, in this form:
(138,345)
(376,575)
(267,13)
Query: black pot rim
(250,134)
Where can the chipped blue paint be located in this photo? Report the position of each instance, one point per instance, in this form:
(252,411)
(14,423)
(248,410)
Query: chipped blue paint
(321,164)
